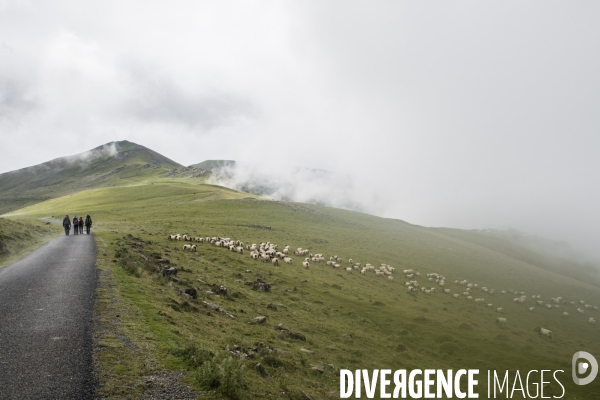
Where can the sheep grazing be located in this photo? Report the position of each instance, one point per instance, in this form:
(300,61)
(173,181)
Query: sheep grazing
(531,308)
(275,261)
(591,320)
(305,264)
(349,269)
(543,332)
(446,291)
(500,309)
(391,278)
(501,321)
(287,260)
(455,295)
(189,247)
(565,314)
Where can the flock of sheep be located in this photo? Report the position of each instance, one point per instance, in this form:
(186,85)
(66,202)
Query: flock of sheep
(268,252)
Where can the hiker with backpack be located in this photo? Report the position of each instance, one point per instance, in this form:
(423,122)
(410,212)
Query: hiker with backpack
(88,224)
(75,225)
(81,225)
(67,224)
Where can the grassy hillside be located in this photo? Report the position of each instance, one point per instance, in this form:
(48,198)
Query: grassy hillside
(108,165)
(348,320)
(21,236)
(552,256)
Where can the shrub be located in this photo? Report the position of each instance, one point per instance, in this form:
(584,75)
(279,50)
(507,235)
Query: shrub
(225,377)
(194,355)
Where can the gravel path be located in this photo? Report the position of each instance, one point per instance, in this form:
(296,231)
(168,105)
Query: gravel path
(46,304)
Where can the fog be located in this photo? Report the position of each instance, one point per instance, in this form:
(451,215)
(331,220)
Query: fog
(461,114)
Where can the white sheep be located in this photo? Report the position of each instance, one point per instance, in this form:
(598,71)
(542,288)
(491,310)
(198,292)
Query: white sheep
(275,261)
(500,309)
(391,278)
(287,260)
(544,332)
(305,264)
(501,321)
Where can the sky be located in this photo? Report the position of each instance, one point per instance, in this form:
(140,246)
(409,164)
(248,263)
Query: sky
(464,114)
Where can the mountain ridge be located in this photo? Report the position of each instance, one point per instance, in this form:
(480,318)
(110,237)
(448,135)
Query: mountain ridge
(100,166)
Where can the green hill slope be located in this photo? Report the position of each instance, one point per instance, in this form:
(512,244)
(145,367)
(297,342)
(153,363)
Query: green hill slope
(552,256)
(106,165)
(348,320)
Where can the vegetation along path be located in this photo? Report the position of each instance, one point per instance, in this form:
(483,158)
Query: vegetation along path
(46,322)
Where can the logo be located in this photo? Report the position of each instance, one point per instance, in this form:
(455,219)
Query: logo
(582,367)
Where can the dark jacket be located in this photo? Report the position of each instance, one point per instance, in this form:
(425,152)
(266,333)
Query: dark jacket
(88,221)
(67,222)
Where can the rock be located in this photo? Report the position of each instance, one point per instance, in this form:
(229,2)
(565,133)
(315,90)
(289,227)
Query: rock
(169,271)
(163,261)
(218,289)
(283,353)
(302,349)
(175,279)
(215,307)
(293,335)
(192,292)
(260,285)
(272,306)
(259,320)
(329,368)
(317,368)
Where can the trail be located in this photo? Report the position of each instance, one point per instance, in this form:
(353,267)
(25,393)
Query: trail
(46,303)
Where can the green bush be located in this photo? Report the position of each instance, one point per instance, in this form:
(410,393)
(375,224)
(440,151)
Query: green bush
(225,377)
(194,355)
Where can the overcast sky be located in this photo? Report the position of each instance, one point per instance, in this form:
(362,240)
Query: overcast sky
(465,114)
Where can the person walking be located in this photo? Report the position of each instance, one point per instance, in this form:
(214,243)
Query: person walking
(88,223)
(81,225)
(67,224)
(75,225)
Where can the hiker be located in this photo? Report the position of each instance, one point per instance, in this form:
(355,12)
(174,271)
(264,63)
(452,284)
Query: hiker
(67,224)
(81,225)
(75,225)
(88,223)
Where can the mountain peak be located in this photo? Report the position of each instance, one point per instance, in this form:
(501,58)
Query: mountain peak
(104,165)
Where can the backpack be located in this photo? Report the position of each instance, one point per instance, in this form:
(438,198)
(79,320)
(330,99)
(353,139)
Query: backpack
(88,220)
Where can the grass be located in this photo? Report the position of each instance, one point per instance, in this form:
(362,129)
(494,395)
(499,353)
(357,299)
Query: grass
(349,320)
(20,237)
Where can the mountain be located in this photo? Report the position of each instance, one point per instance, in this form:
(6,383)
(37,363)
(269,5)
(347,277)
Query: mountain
(213,164)
(105,165)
